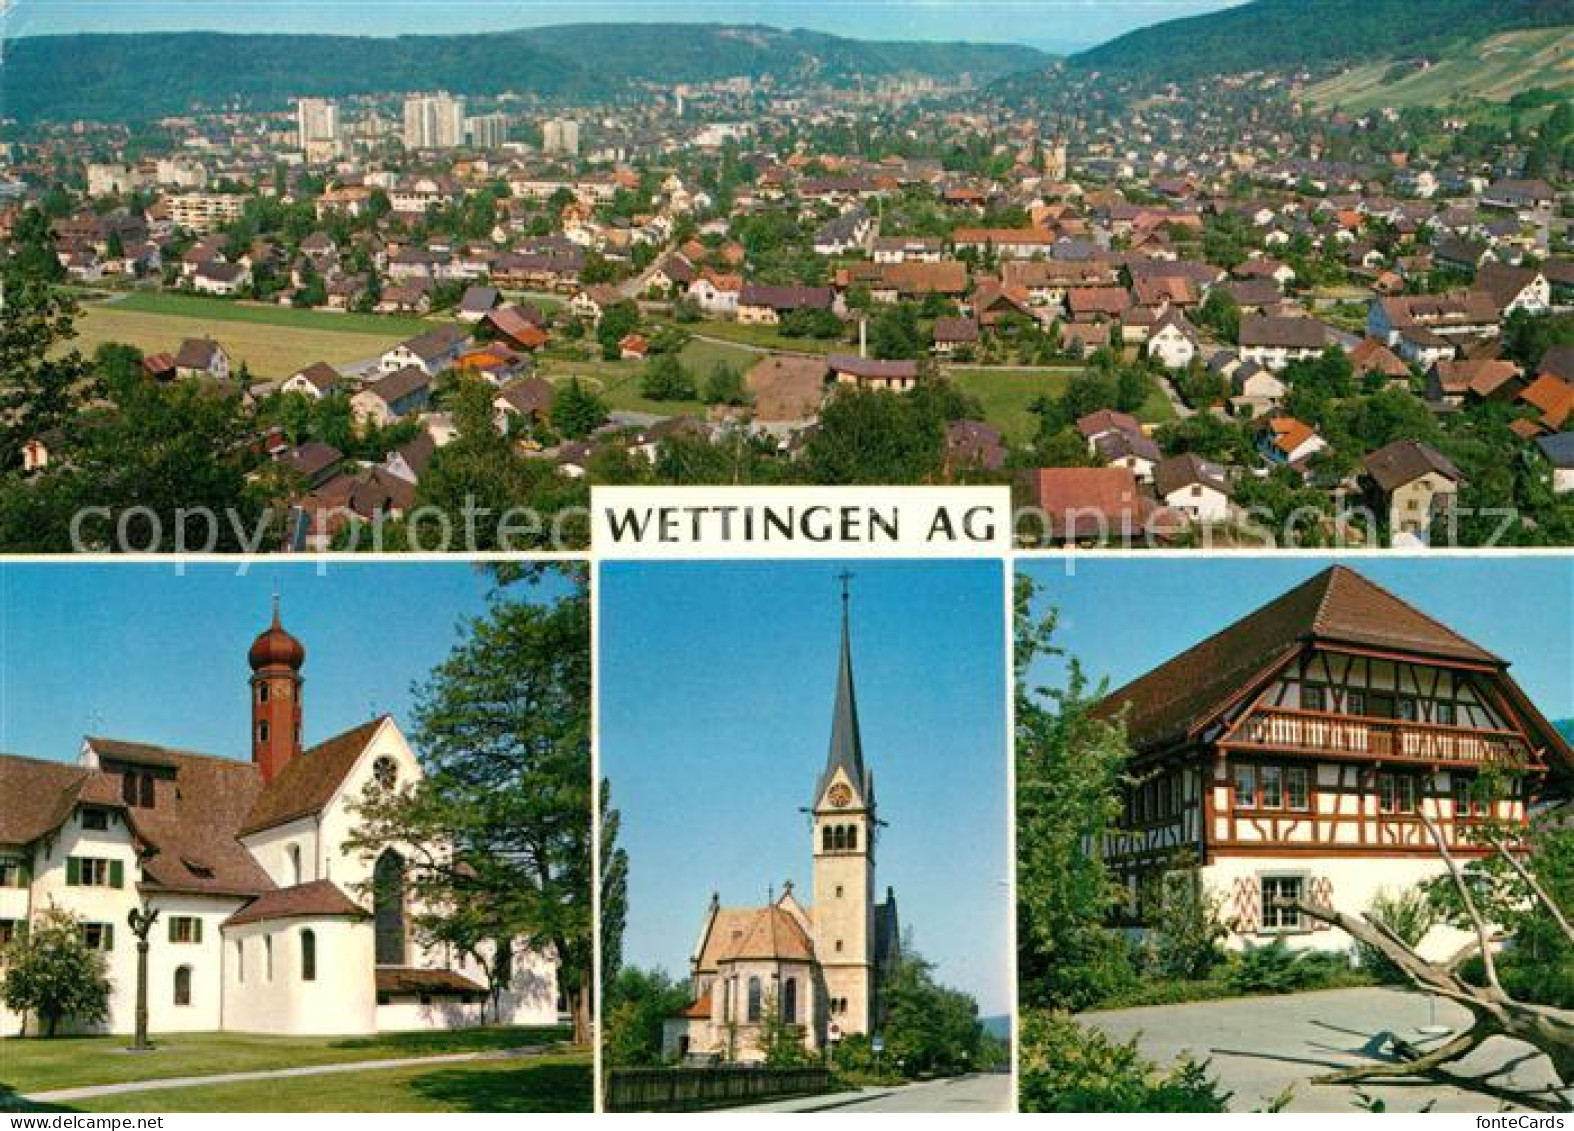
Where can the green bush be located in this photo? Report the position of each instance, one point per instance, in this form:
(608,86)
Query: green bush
(1407,913)
(1276,969)
(1188,927)
(1066,1068)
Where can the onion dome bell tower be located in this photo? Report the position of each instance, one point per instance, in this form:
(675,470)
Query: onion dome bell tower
(276,659)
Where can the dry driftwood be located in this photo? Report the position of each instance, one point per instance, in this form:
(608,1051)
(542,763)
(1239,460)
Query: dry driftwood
(1494,1012)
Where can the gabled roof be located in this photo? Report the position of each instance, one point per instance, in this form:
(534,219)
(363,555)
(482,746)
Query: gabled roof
(308,900)
(36,795)
(309,780)
(1336,606)
(1405,461)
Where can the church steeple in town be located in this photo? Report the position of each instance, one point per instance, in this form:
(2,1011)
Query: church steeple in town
(846,750)
(276,659)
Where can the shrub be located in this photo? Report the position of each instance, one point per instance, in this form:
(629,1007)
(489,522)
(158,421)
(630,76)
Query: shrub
(1408,914)
(1066,1068)
(1188,927)
(1276,969)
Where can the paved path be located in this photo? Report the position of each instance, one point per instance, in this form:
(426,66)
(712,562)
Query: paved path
(1258,1047)
(981,1093)
(64,1095)
(1182,410)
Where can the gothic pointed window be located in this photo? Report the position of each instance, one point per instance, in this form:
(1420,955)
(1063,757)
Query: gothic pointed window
(183,985)
(754,1001)
(308,955)
(790,1001)
(388,908)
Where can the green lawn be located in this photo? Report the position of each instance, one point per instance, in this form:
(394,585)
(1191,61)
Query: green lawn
(617,382)
(34,1065)
(229,310)
(555,1083)
(1007,397)
(765,337)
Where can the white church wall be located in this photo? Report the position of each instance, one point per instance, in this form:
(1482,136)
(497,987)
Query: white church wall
(349,869)
(290,853)
(342,999)
(205,1012)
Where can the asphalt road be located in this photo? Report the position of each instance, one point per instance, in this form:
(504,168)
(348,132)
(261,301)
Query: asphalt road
(982,1093)
(1258,1047)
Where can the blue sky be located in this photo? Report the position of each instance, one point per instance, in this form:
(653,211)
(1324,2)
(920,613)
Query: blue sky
(1051,24)
(716,689)
(1122,617)
(139,652)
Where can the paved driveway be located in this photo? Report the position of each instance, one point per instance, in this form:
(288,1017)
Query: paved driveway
(1258,1047)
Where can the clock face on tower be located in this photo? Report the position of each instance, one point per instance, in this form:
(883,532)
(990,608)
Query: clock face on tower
(840,796)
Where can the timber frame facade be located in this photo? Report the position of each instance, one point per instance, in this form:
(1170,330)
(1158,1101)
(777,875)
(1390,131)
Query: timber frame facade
(1294,754)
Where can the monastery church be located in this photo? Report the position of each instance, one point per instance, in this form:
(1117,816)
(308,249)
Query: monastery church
(267,922)
(821,967)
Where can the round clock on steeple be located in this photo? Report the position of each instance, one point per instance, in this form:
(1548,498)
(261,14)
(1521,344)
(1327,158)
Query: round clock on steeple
(840,796)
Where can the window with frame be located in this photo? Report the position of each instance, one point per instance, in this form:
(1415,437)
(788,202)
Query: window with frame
(1313,697)
(185,929)
(95,819)
(98,936)
(1386,795)
(10,930)
(1271,781)
(1447,714)
(1297,788)
(1466,801)
(1245,786)
(94,872)
(1278,893)
(1405,709)
(1355,702)
(1406,793)
(13,872)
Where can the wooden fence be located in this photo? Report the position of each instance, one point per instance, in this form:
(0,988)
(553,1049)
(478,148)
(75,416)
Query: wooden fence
(689,1089)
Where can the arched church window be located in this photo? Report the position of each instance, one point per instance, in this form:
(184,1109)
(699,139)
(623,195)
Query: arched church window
(754,1001)
(183,985)
(295,865)
(790,1001)
(852,838)
(388,908)
(308,955)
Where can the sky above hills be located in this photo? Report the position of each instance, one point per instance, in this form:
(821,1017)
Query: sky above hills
(1051,25)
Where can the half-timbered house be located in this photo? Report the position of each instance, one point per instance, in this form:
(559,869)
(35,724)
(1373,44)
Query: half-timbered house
(1300,753)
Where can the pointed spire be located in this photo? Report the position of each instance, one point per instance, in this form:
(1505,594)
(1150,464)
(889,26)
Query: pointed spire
(846,750)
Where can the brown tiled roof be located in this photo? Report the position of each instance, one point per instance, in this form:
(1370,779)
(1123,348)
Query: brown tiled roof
(1288,333)
(755,932)
(1405,461)
(412,980)
(1337,605)
(699,1008)
(309,780)
(787,387)
(317,898)
(35,796)
(188,835)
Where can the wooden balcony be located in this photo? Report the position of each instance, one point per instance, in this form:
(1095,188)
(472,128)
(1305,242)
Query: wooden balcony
(1286,730)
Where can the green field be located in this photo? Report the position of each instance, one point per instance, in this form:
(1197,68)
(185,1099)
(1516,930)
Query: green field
(268,349)
(33,1065)
(266,314)
(557,1083)
(1007,397)
(1494,71)
(617,382)
(766,338)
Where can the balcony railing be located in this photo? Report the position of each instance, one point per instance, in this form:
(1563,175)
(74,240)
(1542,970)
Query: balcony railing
(1353,736)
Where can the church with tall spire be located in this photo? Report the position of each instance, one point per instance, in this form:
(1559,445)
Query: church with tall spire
(821,966)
